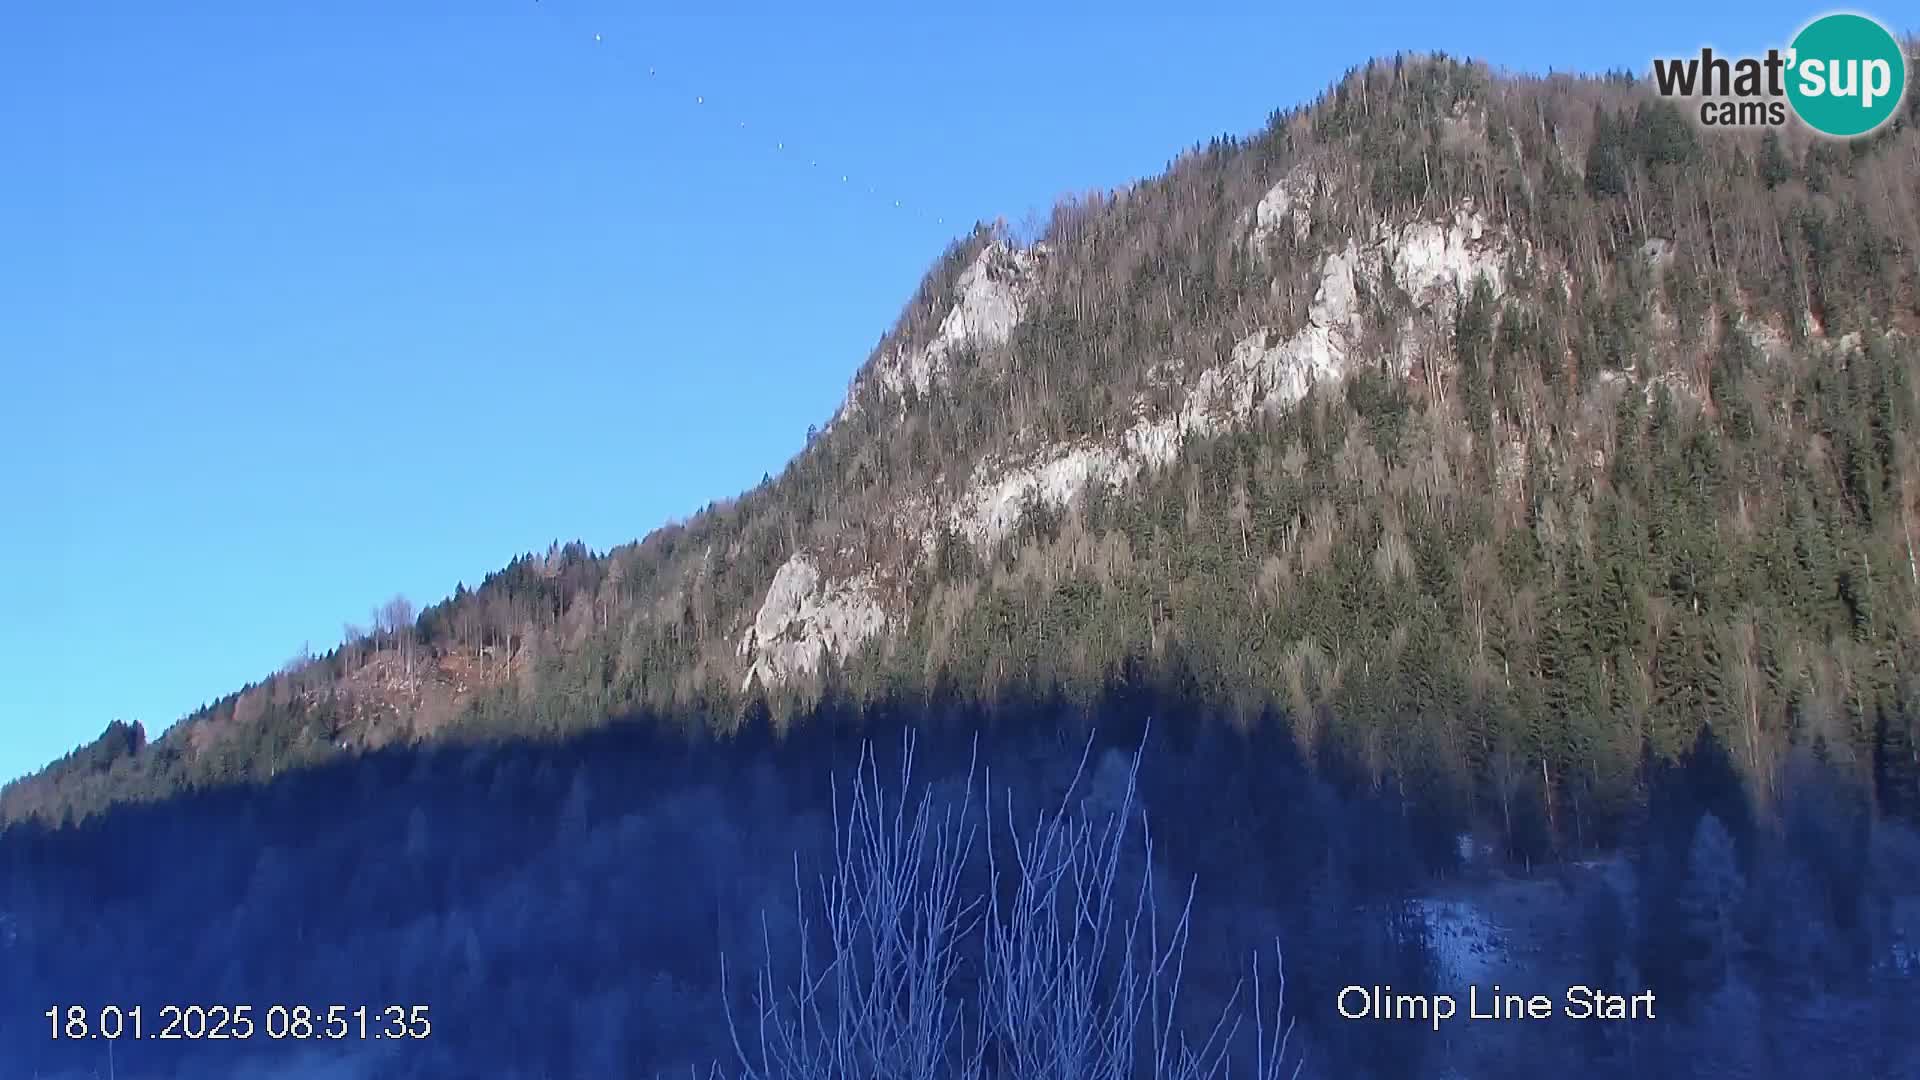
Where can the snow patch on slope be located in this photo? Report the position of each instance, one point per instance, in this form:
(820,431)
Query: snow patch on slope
(1902,958)
(1467,947)
(804,612)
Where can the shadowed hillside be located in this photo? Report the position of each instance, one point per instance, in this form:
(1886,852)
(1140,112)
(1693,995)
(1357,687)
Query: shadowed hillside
(600,906)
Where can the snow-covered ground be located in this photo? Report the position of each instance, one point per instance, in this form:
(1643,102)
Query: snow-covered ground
(1904,958)
(1467,946)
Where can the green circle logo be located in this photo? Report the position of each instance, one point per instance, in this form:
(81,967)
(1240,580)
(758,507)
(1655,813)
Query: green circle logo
(1846,75)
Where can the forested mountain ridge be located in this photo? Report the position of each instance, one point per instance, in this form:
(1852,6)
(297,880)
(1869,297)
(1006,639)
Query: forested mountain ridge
(1501,435)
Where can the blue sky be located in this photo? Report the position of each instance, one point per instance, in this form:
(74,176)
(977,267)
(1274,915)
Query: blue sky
(300,310)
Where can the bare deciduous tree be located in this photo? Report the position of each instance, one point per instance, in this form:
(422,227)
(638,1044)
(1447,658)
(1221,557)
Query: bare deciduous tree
(393,620)
(1072,978)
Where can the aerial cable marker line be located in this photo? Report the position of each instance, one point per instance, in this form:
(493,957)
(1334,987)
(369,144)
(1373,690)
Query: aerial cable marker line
(699,103)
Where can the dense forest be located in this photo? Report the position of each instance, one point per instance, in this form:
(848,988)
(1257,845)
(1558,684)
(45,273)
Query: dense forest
(600,907)
(1605,602)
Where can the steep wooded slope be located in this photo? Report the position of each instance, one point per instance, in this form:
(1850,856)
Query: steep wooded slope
(1497,434)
